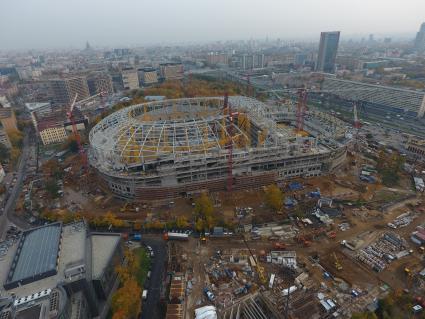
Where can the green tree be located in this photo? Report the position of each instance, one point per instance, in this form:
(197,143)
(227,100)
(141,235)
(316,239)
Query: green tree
(52,188)
(364,315)
(4,153)
(274,197)
(204,205)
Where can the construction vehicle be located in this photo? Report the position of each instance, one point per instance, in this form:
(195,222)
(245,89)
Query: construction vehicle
(338,265)
(331,234)
(259,268)
(129,208)
(279,246)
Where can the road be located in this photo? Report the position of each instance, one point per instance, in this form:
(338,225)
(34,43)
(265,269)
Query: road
(150,307)
(8,216)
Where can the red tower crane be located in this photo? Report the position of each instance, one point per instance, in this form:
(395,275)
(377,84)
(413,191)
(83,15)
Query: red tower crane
(301,108)
(77,136)
(227,108)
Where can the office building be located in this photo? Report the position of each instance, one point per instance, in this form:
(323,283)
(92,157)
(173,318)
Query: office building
(130,79)
(65,89)
(38,109)
(215,58)
(378,97)
(328,48)
(100,82)
(252,61)
(55,126)
(147,76)
(59,271)
(420,39)
(171,71)
(7,124)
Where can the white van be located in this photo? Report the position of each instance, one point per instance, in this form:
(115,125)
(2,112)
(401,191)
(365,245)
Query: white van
(144,294)
(149,274)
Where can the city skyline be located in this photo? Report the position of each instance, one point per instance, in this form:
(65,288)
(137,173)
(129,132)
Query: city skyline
(65,25)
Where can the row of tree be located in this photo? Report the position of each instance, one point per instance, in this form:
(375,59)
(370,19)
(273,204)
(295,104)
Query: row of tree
(126,301)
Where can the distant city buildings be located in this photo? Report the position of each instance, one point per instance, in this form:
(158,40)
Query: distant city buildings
(171,71)
(328,48)
(130,79)
(420,39)
(65,89)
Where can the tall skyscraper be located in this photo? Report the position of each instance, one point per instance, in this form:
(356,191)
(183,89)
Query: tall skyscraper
(420,38)
(327,51)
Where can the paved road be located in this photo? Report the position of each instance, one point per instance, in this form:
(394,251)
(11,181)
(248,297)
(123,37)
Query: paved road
(8,215)
(150,308)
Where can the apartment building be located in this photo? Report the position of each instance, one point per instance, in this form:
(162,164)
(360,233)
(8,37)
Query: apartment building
(147,76)
(171,71)
(100,82)
(65,89)
(130,79)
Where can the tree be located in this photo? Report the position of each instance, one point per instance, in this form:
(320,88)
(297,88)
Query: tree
(204,205)
(16,138)
(274,197)
(52,188)
(126,302)
(364,315)
(14,155)
(199,225)
(72,144)
(181,222)
(4,153)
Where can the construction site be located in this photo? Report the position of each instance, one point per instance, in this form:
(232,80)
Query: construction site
(162,150)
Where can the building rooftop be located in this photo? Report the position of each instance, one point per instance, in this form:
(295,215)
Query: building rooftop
(102,251)
(72,252)
(35,106)
(30,263)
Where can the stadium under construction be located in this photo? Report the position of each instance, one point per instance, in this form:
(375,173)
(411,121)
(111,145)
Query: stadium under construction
(165,149)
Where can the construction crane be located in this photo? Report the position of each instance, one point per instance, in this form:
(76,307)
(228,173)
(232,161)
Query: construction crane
(302,95)
(260,269)
(77,136)
(301,109)
(227,110)
(338,265)
(357,126)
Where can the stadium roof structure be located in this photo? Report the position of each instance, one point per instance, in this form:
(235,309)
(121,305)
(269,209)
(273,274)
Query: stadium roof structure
(36,256)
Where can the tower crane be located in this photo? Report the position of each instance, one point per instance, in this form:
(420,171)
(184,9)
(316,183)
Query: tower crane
(77,136)
(302,94)
(229,128)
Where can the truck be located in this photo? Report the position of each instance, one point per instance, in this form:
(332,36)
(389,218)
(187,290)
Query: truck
(176,236)
(209,294)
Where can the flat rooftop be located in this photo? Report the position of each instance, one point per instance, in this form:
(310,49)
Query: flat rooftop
(102,249)
(32,263)
(72,252)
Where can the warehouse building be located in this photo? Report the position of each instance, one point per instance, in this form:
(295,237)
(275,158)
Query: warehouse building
(59,271)
(385,98)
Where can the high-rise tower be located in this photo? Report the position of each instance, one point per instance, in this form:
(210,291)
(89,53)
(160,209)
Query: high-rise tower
(327,51)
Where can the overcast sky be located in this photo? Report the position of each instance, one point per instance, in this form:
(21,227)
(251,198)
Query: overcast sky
(70,23)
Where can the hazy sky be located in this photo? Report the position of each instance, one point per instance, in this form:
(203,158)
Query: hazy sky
(70,23)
